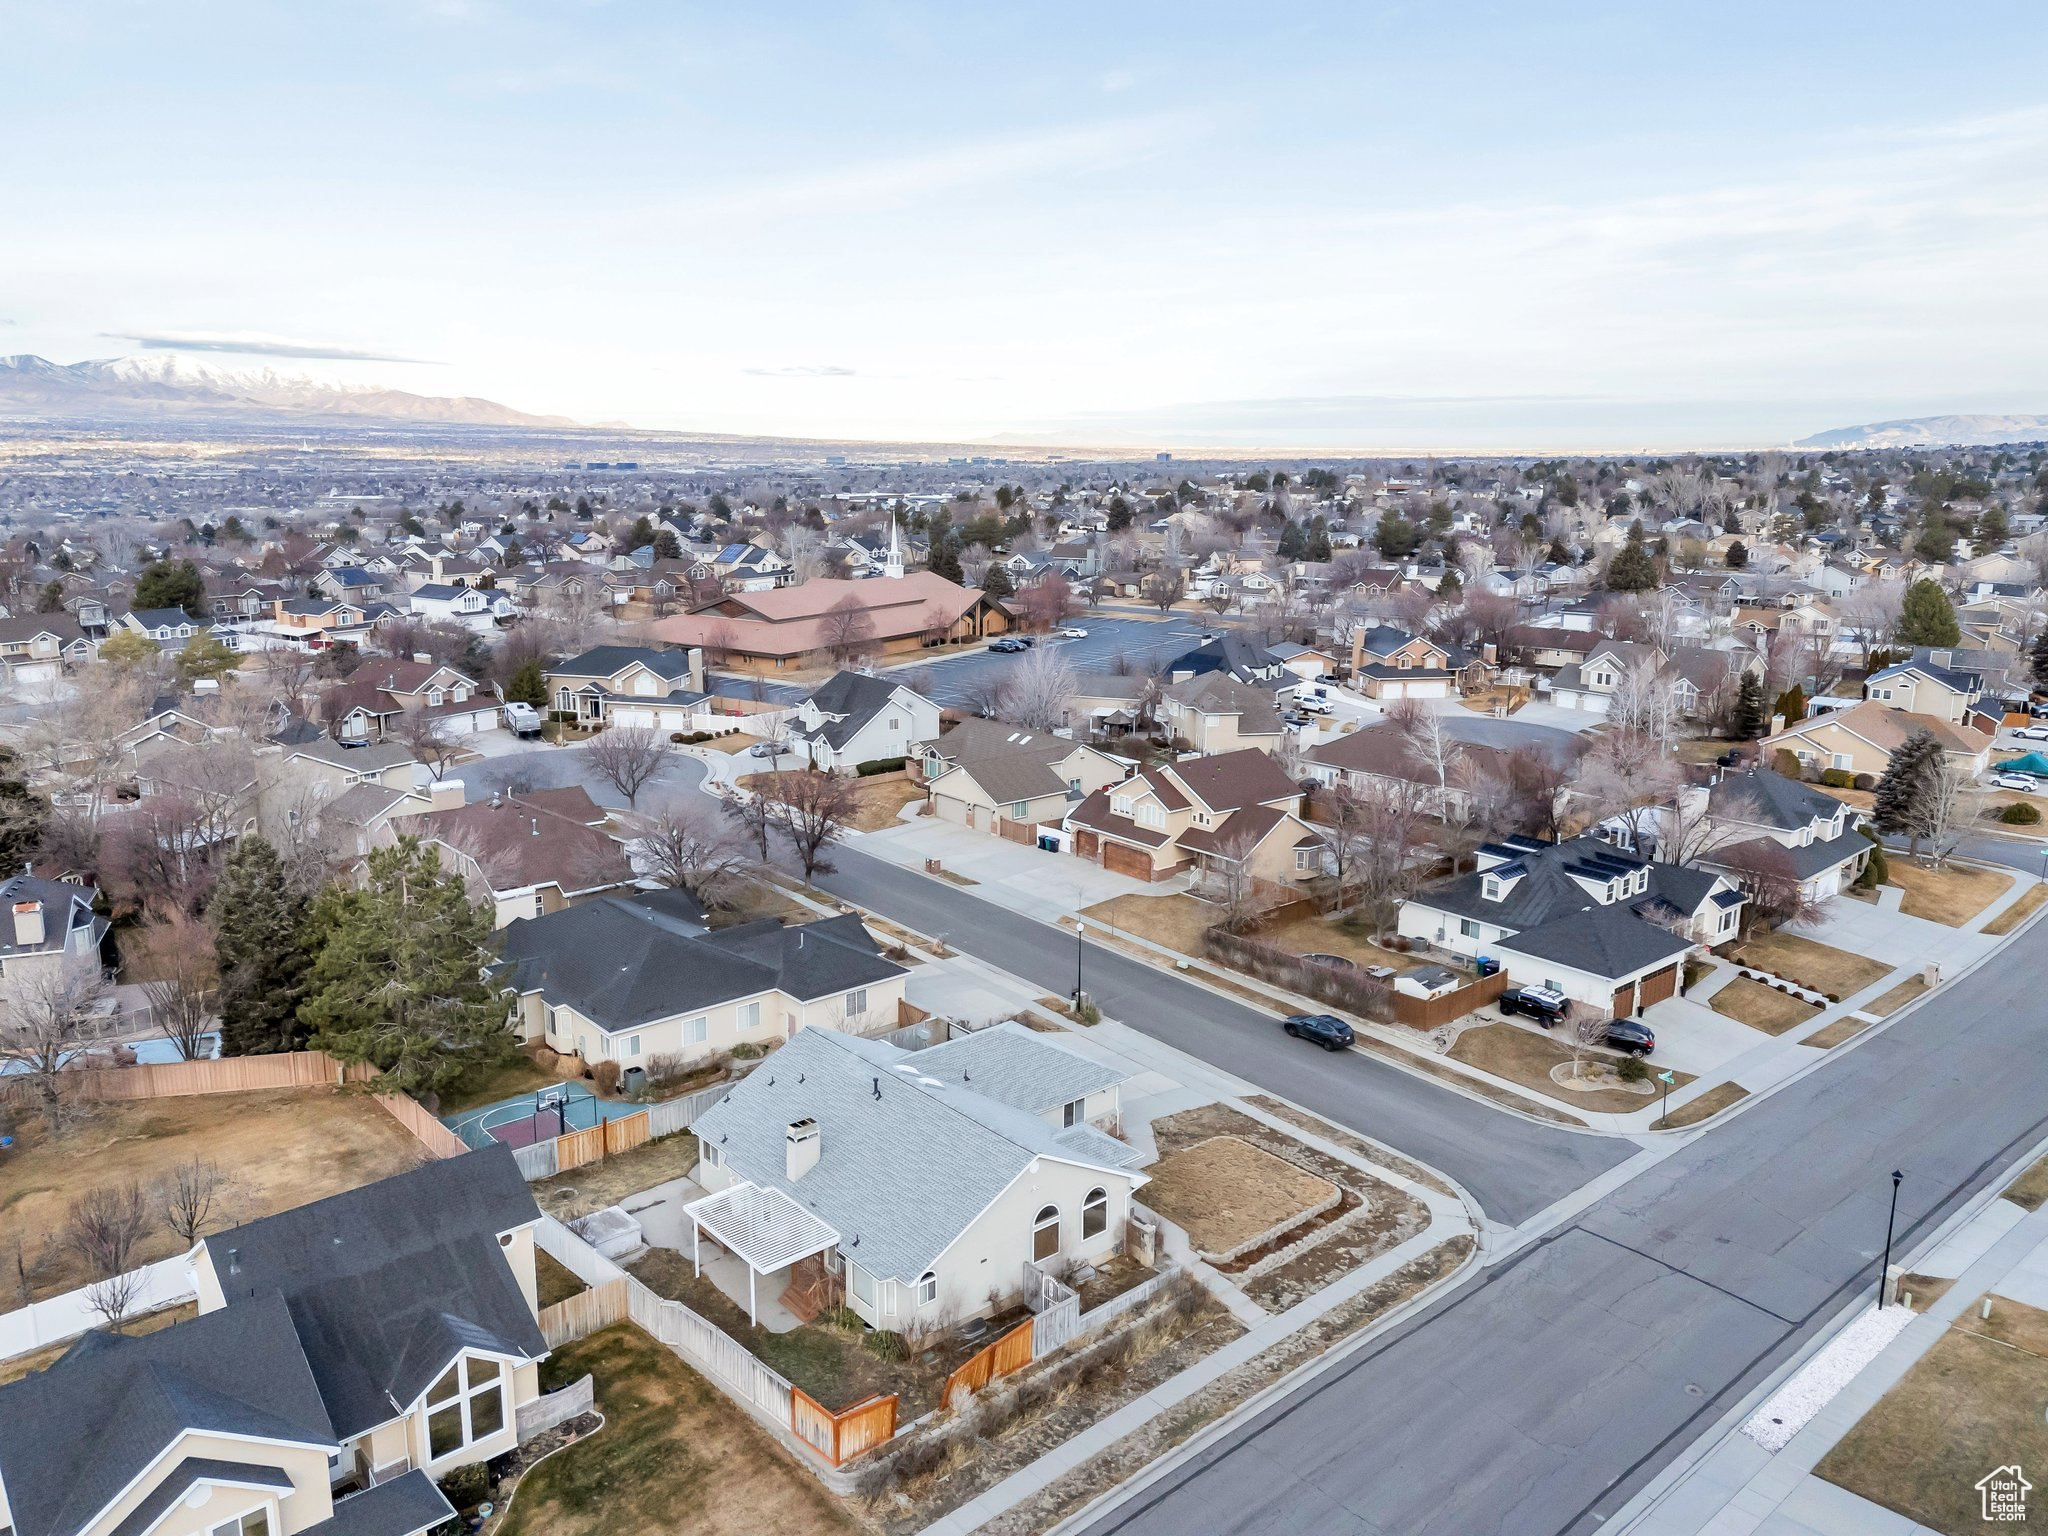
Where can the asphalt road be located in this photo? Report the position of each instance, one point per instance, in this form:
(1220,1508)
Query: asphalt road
(1513,1167)
(1542,1394)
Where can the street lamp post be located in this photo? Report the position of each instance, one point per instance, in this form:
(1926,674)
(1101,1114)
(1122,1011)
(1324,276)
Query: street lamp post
(1883,1273)
(1080,928)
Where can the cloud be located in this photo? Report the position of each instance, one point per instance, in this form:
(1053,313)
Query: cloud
(802,371)
(252,344)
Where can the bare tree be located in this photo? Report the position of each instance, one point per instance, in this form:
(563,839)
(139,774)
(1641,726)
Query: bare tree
(174,961)
(754,816)
(1389,829)
(41,1023)
(102,1229)
(429,738)
(1949,806)
(26,1266)
(1870,613)
(815,810)
(1228,878)
(1628,775)
(847,630)
(1037,690)
(1162,589)
(1769,878)
(1427,742)
(688,847)
(187,1196)
(1584,1028)
(1645,703)
(627,756)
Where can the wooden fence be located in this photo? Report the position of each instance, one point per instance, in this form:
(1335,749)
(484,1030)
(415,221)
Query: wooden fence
(576,1149)
(1430,1012)
(585,1312)
(228,1074)
(841,1436)
(429,1132)
(1012,1352)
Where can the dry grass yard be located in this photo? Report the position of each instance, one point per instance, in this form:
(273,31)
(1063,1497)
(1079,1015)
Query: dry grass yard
(280,1147)
(1820,966)
(1226,1191)
(1174,921)
(1706,1106)
(1951,895)
(2018,912)
(882,797)
(594,1186)
(1762,1007)
(1523,1056)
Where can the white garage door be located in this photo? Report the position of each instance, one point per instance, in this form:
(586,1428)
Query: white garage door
(1393,690)
(631,716)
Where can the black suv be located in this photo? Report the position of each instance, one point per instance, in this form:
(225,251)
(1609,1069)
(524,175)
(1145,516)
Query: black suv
(1539,1003)
(1326,1029)
(1629,1036)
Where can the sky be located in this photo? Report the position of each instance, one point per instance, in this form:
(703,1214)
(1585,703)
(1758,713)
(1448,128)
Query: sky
(1175,226)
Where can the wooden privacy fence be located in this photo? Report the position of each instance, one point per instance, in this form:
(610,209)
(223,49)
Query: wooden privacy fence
(1430,1012)
(229,1074)
(428,1131)
(609,1138)
(839,1437)
(1012,1352)
(586,1312)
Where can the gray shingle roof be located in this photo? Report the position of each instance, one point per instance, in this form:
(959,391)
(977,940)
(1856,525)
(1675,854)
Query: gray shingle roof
(1770,799)
(904,1166)
(1015,1066)
(192,1470)
(1607,941)
(608,661)
(405,1506)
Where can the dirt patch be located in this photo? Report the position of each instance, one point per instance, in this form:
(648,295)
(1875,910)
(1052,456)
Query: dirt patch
(1123,1460)
(1925,1290)
(1112,1278)
(1762,1007)
(565,1196)
(1392,1161)
(555,1281)
(2028,904)
(1174,921)
(1970,1404)
(1819,966)
(673,1457)
(1951,895)
(1307,933)
(1706,1106)
(1526,1057)
(280,1148)
(42,1359)
(1226,1192)
(2030,1189)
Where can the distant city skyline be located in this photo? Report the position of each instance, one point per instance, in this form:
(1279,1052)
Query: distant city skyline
(1463,228)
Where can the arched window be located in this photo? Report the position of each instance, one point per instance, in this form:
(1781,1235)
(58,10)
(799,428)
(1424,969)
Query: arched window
(1045,1234)
(927,1288)
(1095,1213)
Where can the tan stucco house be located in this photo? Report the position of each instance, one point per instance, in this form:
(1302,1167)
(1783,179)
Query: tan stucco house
(992,776)
(1238,808)
(1862,738)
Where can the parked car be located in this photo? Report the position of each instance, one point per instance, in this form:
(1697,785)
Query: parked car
(523,719)
(766,749)
(1542,1004)
(2033,732)
(1630,1036)
(1073,633)
(1315,706)
(1729,759)
(2022,781)
(1010,644)
(1325,1029)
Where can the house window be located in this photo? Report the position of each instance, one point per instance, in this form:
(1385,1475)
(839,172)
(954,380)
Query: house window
(710,1155)
(632,1045)
(255,1523)
(1121,804)
(856,1002)
(1150,815)
(893,725)
(1074,1112)
(861,1283)
(1045,1234)
(548,1013)
(1840,760)
(1307,859)
(1094,1213)
(748,1018)
(927,1288)
(1018,810)
(1467,928)
(540,905)
(466,1405)
(696,1031)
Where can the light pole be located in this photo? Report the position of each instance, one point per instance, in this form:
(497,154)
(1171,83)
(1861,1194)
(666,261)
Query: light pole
(1888,1221)
(1080,928)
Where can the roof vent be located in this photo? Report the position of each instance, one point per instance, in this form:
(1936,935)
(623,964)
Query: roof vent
(877,1090)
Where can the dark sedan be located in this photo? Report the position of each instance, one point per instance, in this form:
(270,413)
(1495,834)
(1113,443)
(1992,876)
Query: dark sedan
(1325,1029)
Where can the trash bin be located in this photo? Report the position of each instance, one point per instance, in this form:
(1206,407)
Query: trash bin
(1488,966)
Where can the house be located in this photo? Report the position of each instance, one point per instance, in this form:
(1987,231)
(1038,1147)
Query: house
(36,647)
(1390,663)
(350,583)
(1304,661)
(913,1186)
(1219,815)
(476,608)
(1927,687)
(992,776)
(632,685)
(1741,812)
(528,854)
(855,718)
(1382,757)
(1860,740)
(1605,927)
(318,622)
(380,697)
(1105,705)
(1213,712)
(48,929)
(805,624)
(346,1354)
(627,979)
(1590,684)
(171,629)
(1243,658)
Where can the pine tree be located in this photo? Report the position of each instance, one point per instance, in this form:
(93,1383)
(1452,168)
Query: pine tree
(996,582)
(1902,794)
(1737,556)
(1747,721)
(1926,616)
(1632,569)
(642,534)
(1319,539)
(1792,704)
(1291,544)
(396,976)
(1451,589)
(2040,658)
(667,546)
(1557,554)
(259,934)
(529,685)
(945,558)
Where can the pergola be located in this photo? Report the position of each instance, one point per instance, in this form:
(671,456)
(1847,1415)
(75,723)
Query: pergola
(764,1227)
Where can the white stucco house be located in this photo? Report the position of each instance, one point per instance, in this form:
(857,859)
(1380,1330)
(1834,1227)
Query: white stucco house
(854,718)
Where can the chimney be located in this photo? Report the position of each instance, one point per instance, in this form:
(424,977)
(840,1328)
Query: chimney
(800,1149)
(447,795)
(28,924)
(1777,725)
(422,658)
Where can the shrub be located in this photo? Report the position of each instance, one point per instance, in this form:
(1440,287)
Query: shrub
(843,1318)
(677,737)
(1878,869)
(1864,781)
(1089,1014)
(467,1487)
(747,1050)
(606,1075)
(1630,1069)
(875,765)
(1837,778)
(2020,814)
(1785,763)
(884,1345)
(1351,990)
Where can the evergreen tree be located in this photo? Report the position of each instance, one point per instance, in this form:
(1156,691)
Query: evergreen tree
(51,598)
(1319,539)
(172,584)
(259,935)
(1632,569)
(2040,658)
(1926,616)
(945,558)
(1792,704)
(642,534)
(667,546)
(1747,721)
(1396,537)
(1738,555)
(1451,589)
(396,976)
(1902,794)
(1936,541)
(996,582)
(1557,554)
(528,685)
(1877,868)
(1291,544)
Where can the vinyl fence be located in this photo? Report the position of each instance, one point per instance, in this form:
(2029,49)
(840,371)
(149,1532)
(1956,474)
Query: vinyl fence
(163,1284)
(1055,1307)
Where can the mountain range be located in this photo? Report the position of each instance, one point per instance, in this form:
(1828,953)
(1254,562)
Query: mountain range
(129,388)
(1934,432)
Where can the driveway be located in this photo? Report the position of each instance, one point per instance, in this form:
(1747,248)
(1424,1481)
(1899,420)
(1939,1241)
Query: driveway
(1043,885)
(1864,928)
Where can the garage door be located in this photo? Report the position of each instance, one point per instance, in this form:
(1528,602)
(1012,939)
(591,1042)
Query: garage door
(628,717)
(1088,845)
(1659,985)
(948,808)
(1126,861)
(1624,1001)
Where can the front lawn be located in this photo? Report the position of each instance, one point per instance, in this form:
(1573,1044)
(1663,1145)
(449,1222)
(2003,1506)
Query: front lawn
(675,1456)
(881,798)
(1177,922)
(1972,1403)
(1953,894)
(2018,912)
(1225,1192)
(1762,1007)
(1526,1057)
(1819,966)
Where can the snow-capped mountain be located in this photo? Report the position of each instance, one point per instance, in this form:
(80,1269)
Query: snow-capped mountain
(170,383)
(1933,432)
